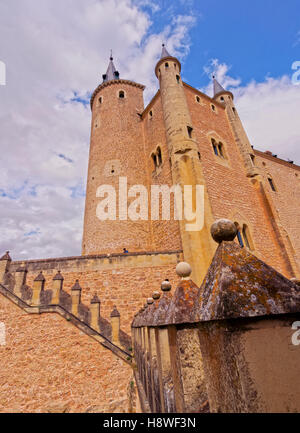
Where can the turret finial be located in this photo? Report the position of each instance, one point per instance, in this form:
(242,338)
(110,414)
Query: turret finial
(164,52)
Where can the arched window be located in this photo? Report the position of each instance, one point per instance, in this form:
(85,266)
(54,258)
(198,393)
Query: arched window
(246,236)
(190,131)
(198,99)
(270,180)
(178,78)
(234,111)
(166,65)
(220,149)
(121,94)
(222,98)
(214,145)
(213,107)
(239,236)
(100,100)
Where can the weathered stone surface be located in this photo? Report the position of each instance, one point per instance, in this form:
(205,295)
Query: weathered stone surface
(238,284)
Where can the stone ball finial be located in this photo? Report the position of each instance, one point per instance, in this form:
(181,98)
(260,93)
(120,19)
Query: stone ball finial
(183,269)
(150,301)
(166,285)
(223,230)
(155,295)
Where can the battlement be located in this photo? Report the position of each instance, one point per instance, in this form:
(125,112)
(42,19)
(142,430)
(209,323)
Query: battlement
(37,300)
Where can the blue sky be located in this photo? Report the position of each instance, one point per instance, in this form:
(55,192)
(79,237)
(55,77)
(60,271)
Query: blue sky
(55,54)
(257,38)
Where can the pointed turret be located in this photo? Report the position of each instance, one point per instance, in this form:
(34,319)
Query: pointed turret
(217,87)
(111,73)
(164,52)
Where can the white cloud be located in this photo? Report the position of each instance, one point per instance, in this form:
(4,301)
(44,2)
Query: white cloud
(270,110)
(54,52)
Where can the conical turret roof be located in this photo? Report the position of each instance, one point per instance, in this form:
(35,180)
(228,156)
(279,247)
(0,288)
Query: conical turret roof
(111,73)
(164,52)
(217,87)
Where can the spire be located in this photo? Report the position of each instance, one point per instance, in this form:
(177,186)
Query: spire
(217,87)
(164,52)
(111,73)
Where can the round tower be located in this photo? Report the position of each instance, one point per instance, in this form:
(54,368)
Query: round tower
(116,157)
(225,97)
(198,247)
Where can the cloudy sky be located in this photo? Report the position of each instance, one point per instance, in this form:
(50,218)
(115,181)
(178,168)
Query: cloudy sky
(55,54)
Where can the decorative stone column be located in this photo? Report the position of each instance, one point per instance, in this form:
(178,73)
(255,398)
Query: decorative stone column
(4,264)
(20,280)
(95,313)
(38,286)
(57,288)
(115,326)
(76,297)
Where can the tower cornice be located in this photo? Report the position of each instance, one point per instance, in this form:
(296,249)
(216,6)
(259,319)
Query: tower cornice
(165,59)
(110,83)
(224,92)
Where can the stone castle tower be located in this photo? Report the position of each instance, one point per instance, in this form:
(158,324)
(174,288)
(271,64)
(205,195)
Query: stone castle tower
(183,137)
(76,352)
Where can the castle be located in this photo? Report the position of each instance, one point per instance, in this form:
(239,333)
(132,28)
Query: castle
(82,357)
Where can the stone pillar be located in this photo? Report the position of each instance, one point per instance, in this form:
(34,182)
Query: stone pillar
(115,326)
(20,280)
(76,297)
(163,351)
(186,168)
(239,133)
(57,288)
(38,286)
(95,313)
(4,264)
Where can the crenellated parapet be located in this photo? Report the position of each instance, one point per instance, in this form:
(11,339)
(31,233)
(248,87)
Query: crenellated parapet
(230,345)
(37,300)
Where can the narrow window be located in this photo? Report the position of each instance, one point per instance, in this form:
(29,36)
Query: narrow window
(271,184)
(100,100)
(220,149)
(213,107)
(198,99)
(252,158)
(240,239)
(189,130)
(214,147)
(178,78)
(166,65)
(199,156)
(150,114)
(246,236)
(234,111)
(239,236)
(222,99)
(175,65)
(121,94)
(154,160)
(159,157)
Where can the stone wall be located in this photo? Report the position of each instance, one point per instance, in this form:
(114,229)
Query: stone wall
(123,281)
(48,365)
